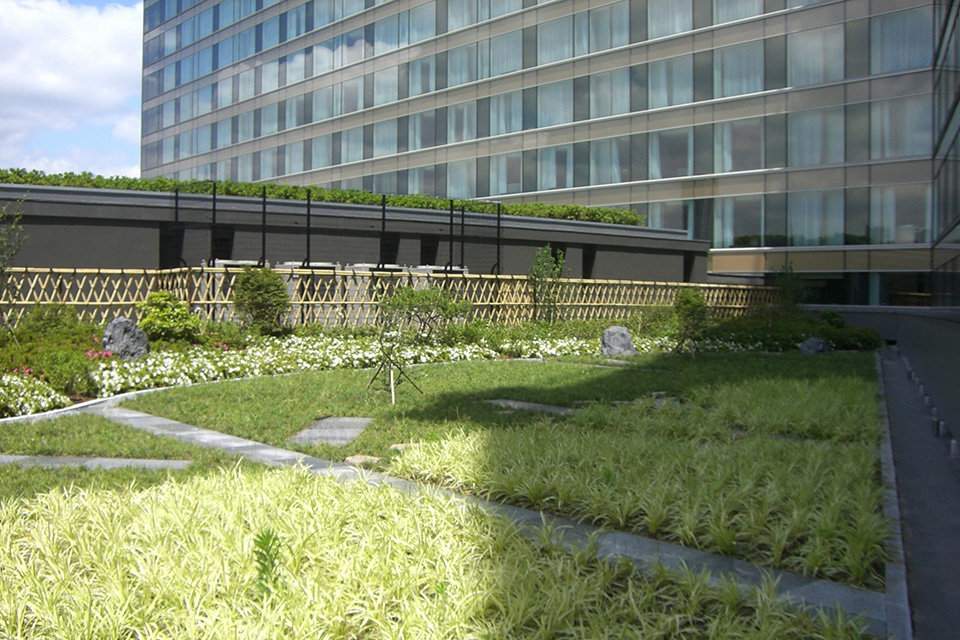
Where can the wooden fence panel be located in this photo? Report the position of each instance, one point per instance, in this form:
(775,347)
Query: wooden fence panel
(350,298)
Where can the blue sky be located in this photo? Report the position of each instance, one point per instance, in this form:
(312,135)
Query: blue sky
(70,85)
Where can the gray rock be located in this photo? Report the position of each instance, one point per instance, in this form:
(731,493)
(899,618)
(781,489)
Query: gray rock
(616,341)
(125,339)
(814,345)
(362,461)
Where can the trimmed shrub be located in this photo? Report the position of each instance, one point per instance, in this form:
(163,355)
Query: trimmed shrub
(261,299)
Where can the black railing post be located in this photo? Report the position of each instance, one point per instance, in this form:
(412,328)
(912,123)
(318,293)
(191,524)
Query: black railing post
(213,228)
(462,229)
(499,213)
(263,228)
(383,227)
(306,263)
(450,261)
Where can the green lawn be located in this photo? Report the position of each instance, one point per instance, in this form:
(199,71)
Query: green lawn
(88,435)
(770,458)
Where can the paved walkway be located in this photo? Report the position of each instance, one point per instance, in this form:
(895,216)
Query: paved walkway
(871,606)
(52,462)
(929,486)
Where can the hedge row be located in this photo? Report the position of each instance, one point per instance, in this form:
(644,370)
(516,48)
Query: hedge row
(290,192)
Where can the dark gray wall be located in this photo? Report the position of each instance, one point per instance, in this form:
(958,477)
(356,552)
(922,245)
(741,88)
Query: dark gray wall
(98,228)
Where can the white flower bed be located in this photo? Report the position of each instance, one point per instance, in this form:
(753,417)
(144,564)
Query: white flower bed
(23,395)
(289,355)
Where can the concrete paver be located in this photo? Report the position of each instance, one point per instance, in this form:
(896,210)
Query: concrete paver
(332,430)
(51,462)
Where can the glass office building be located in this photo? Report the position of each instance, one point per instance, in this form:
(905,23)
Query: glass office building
(785,132)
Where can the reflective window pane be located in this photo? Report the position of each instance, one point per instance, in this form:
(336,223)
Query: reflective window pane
(815,137)
(815,56)
(670,81)
(902,40)
(738,145)
(671,153)
(738,222)
(900,214)
(506,113)
(555,167)
(815,218)
(555,103)
(738,69)
(901,128)
(667,17)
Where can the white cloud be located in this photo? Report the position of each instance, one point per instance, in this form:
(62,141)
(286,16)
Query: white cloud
(68,74)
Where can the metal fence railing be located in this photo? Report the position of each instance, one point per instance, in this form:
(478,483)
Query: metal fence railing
(349,298)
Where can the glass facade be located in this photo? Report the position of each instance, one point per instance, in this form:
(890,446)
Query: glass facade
(752,124)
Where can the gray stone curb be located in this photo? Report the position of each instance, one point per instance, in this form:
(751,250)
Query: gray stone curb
(52,462)
(643,552)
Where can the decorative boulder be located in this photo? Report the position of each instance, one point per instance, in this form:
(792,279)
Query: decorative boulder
(125,339)
(616,341)
(814,345)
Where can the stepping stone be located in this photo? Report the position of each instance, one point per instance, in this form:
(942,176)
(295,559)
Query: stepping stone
(53,462)
(336,431)
(362,461)
(405,445)
(531,406)
(618,362)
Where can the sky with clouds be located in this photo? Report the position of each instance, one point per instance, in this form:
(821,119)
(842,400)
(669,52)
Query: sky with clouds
(70,85)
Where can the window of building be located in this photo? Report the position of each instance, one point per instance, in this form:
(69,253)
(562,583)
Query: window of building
(610,93)
(902,40)
(245,126)
(901,128)
(246,81)
(738,145)
(268,163)
(738,69)
(555,103)
(422,130)
(610,160)
(671,153)
(462,179)
(293,157)
(677,214)
(423,22)
(555,167)
(506,53)
(384,138)
(325,104)
(462,65)
(421,75)
(351,145)
(295,114)
(350,47)
(815,137)
(506,113)
(386,34)
(295,67)
(461,13)
(385,86)
(421,180)
(506,173)
(351,95)
(815,218)
(322,151)
(738,222)
(670,81)
(667,17)
(609,26)
(555,40)
(270,32)
(461,122)
(815,56)
(269,76)
(899,214)
(729,10)
(245,168)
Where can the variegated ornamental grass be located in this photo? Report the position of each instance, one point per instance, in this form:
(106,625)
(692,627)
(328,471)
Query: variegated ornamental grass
(179,560)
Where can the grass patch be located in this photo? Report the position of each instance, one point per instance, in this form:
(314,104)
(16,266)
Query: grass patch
(181,560)
(770,458)
(89,435)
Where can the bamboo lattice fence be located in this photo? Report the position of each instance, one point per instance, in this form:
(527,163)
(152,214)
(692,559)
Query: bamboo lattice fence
(349,298)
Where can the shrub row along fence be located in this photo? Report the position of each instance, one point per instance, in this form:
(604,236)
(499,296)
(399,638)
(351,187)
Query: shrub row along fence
(349,298)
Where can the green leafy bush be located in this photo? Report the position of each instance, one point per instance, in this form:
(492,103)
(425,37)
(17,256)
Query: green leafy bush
(692,314)
(228,334)
(351,196)
(545,273)
(167,317)
(786,333)
(833,318)
(261,299)
(66,371)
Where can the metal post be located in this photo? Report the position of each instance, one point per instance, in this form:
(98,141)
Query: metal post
(176,205)
(499,213)
(263,229)
(213,226)
(462,227)
(383,225)
(450,262)
(306,262)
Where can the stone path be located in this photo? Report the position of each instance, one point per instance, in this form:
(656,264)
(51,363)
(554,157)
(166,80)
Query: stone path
(51,462)
(643,552)
(331,430)
(517,405)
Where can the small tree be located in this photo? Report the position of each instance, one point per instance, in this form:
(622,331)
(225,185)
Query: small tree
(11,239)
(692,314)
(261,299)
(545,273)
(793,290)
